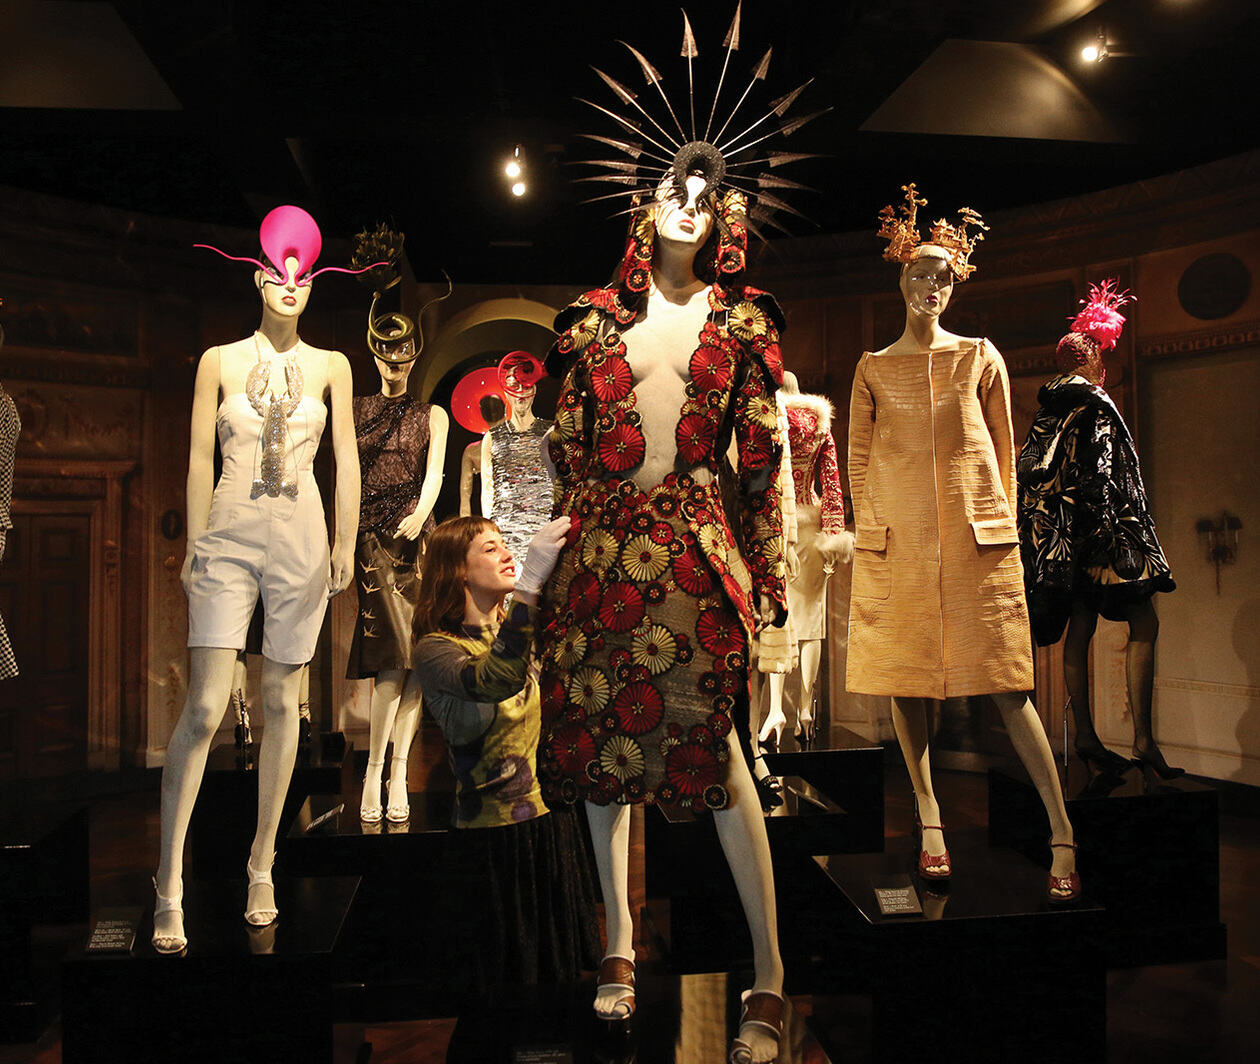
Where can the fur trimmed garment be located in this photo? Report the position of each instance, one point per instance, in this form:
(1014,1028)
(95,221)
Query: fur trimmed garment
(1085,526)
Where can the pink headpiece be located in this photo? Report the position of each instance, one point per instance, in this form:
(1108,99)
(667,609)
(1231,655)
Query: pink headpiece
(289,232)
(1100,319)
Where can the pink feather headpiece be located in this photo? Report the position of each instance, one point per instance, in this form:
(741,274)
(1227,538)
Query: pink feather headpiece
(289,232)
(1100,319)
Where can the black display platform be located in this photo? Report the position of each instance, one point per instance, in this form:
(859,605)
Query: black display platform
(679,1020)
(991,971)
(43,881)
(226,812)
(411,907)
(238,994)
(1148,850)
(685,864)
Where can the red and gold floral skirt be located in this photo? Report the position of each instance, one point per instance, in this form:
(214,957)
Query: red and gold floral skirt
(645,634)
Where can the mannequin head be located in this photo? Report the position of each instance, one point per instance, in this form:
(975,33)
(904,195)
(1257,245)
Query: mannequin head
(927,282)
(394,374)
(491,409)
(519,373)
(1081,354)
(790,384)
(463,556)
(283,299)
(683,222)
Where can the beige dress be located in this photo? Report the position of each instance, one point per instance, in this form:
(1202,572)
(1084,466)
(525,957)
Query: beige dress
(937,609)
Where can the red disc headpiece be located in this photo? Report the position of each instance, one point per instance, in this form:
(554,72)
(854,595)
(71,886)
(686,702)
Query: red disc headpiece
(519,373)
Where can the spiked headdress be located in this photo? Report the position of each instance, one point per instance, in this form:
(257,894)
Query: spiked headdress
(949,242)
(736,166)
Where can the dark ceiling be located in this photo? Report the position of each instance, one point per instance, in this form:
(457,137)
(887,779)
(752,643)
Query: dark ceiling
(216,110)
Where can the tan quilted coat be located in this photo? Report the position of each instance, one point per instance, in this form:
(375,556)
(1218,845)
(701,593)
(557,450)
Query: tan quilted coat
(938,607)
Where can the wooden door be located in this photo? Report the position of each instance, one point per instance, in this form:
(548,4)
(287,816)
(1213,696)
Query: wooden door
(44,589)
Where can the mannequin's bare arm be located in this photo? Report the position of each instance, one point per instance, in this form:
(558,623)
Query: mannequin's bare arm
(996,397)
(413,524)
(199,490)
(487,480)
(469,467)
(346,455)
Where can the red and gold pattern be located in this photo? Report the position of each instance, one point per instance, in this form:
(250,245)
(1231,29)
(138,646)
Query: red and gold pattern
(648,617)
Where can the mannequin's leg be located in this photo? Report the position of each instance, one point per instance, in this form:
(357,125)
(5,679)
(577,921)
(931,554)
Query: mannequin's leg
(240,710)
(280,683)
(811,657)
(1080,631)
(1140,672)
(742,832)
(910,722)
(304,704)
(610,839)
(775,721)
(406,721)
(1029,739)
(210,671)
(386,692)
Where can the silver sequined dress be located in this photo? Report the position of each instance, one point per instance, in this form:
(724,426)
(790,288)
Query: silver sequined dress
(522,484)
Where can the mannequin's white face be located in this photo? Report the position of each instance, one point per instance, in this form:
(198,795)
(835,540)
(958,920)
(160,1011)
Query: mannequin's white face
(394,374)
(286,300)
(685,223)
(488,565)
(926,285)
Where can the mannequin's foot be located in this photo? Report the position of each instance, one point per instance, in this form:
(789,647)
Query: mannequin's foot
(760,1026)
(1149,755)
(769,787)
(769,743)
(168,922)
(614,989)
(398,808)
(934,860)
(260,899)
(370,802)
(804,733)
(1097,758)
(1064,884)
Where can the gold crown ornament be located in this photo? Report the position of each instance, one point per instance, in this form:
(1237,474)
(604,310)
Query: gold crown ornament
(949,242)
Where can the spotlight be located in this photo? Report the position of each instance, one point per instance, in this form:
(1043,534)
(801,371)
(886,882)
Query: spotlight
(1096,52)
(518,189)
(513,168)
(1089,53)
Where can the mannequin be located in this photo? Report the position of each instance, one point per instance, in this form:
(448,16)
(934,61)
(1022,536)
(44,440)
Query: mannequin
(260,529)
(515,481)
(823,542)
(399,436)
(1086,534)
(938,602)
(644,415)
(10,428)
(492,412)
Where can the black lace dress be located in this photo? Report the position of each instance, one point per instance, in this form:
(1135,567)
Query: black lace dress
(393,437)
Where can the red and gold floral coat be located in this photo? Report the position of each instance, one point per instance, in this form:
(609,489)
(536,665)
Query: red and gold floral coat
(648,618)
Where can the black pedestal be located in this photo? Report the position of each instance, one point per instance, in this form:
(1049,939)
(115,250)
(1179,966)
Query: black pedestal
(679,1020)
(685,863)
(989,972)
(43,880)
(1148,849)
(414,898)
(226,812)
(239,994)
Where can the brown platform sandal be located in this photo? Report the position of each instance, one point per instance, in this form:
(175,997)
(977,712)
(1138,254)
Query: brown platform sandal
(761,1008)
(1063,889)
(617,973)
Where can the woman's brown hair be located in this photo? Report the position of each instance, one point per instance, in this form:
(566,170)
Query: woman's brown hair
(441,605)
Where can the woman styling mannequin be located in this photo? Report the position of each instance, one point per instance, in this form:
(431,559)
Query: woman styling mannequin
(938,605)
(402,446)
(261,530)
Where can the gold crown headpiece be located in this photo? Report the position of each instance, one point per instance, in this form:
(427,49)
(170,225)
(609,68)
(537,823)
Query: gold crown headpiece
(905,244)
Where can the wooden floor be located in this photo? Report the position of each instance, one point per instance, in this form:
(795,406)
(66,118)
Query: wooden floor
(1204,1012)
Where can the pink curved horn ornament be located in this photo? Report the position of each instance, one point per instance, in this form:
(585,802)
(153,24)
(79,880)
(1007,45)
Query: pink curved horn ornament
(289,232)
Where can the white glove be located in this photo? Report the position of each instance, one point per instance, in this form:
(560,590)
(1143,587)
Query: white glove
(544,551)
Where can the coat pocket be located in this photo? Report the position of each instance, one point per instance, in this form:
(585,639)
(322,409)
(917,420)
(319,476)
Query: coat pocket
(872,577)
(995,531)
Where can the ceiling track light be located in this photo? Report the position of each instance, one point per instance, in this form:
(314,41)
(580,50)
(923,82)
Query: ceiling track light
(513,167)
(1098,50)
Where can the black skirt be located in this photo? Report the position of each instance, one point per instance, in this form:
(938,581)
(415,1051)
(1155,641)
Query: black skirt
(387,572)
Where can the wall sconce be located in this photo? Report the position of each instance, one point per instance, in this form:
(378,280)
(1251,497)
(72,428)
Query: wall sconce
(1220,540)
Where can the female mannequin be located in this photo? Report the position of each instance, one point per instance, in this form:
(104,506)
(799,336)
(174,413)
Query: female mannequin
(1088,541)
(10,428)
(649,614)
(261,528)
(938,599)
(515,481)
(492,412)
(402,445)
(823,542)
